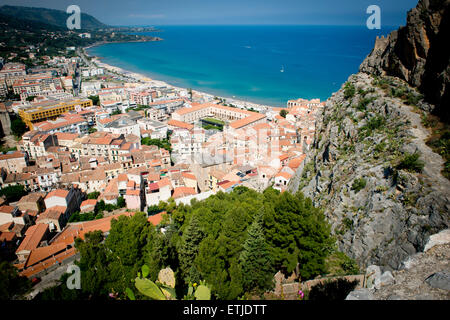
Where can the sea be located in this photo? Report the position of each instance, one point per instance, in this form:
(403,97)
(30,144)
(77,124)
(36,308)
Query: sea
(261,64)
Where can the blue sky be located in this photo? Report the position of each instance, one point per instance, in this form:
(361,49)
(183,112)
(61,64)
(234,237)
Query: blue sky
(224,12)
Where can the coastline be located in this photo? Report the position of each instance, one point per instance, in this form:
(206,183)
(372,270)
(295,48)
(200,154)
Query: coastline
(145,79)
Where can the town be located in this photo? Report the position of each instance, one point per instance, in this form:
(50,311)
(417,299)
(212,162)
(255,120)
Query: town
(84,142)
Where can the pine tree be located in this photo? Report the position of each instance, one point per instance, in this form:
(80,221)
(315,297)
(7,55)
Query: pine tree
(189,248)
(255,259)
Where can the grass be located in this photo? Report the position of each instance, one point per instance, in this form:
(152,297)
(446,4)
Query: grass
(410,162)
(359,184)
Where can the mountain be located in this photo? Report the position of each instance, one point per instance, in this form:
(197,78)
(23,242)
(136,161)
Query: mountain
(418,53)
(50,16)
(370,168)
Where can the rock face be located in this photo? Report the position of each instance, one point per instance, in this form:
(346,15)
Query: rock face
(418,53)
(380,213)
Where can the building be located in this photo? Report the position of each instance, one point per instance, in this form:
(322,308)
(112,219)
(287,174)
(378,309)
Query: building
(67,123)
(50,109)
(236,117)
(14,161)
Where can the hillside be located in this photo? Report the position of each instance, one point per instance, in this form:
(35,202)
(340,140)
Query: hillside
(49,16)
(418,53)
(370,168)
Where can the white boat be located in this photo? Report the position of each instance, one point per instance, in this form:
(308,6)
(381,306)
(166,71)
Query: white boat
(282,69)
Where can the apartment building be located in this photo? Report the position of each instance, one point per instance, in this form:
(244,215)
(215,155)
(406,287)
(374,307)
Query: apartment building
(50,109)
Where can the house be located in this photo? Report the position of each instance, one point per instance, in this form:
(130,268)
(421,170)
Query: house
(32,202)
(156,218)
(88,205)
(181,192)
(71,199)
(13,214)
(282,180)
(158,191)
(55,217)
(33,237)
(14,161)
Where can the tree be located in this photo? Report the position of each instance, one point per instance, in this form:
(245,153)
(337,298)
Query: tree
(13,193)
(93,195)
(297,232)
(283,113)
(18,127)
(255,259)
(11,284)
(95,100)
(121,203)
(188,250)
(93,265)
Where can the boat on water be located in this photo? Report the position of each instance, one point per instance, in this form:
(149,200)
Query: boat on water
(282,69)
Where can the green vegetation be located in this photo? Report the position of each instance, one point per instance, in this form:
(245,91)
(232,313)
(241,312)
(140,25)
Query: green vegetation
(410,162)
(12,285)
(18,127)
(349,90)
(95,100)
(93,195)
(374,123)
(235,242)
(362,105)
(339,264)
(283,113)
(212,124)
(13,193)
(359,184)
(117,111)
(164,143)
(88,216)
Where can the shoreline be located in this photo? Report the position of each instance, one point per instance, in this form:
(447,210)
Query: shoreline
(145,79)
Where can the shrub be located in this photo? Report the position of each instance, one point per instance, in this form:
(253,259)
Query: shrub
(359,184)
(349,90)
(332,290)
(411,162)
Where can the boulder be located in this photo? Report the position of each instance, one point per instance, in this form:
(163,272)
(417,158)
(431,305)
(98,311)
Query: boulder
(440,280)
(373,274)
(385,279)
(442,237)
(360,294)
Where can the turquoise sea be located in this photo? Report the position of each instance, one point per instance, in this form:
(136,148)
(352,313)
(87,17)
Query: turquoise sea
(245,62)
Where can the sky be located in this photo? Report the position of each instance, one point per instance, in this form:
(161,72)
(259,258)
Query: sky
(231,12)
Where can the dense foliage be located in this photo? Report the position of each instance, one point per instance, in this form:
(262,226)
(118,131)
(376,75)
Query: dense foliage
(13,193)
(235,242)
(11,285)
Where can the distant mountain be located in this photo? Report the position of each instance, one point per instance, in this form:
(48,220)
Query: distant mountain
(50,16)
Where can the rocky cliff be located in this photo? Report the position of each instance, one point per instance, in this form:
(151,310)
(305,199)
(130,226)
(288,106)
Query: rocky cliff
(370,169)
(379,183)
(418,53)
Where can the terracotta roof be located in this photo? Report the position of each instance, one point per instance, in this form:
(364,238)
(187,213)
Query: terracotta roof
(183,192)
(57,193)
(89,202)
(296,162)
(6,209)
(285,175)
(33,237)
(157,218)
(133,193)
(42,253)
(188,175)
(180,124)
